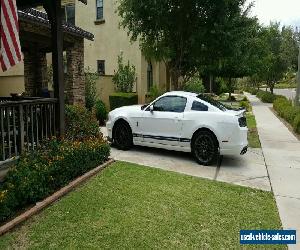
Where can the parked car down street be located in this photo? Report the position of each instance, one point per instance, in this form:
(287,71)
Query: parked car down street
(181,121)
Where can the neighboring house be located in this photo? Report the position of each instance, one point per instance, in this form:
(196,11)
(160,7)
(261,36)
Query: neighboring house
(99,17)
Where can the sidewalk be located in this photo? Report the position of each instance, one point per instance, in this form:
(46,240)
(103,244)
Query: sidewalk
(281,150)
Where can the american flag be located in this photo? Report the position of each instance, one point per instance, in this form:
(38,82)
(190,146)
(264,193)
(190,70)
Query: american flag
(10,53)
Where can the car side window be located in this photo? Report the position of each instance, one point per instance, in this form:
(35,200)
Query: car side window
(198,106)
(170,104)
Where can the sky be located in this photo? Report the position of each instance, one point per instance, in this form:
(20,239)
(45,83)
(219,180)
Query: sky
(285,11)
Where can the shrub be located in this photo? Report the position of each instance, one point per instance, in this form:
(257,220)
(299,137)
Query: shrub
(80,123)
(124,78)
(154,93)
(246,105)
(90,89)
(253,91)
(231,98)
(40,173)
(220,86)
(296,123)
(101,112)
(288,112)
(194,85)
(117,100)
(280,105)
(266,96)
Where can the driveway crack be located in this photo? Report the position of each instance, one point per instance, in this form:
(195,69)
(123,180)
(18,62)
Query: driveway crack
(253,178)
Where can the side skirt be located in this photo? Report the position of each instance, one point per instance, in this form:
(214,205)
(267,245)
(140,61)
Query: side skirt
(164,146)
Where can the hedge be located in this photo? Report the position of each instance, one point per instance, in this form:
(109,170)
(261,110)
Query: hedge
(80,123)
(288,112)
(41,173)
(118,100)
(38,174)
(101,112)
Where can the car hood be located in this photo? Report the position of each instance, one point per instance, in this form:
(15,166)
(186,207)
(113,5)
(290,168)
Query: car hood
(128,108)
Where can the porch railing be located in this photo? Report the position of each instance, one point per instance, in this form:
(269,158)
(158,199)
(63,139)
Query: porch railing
(24,124)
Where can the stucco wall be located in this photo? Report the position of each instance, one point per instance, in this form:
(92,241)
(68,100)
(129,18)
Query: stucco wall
(109,39)
(105,87)
(11,84)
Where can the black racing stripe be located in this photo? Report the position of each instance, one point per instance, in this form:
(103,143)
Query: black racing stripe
(162,138)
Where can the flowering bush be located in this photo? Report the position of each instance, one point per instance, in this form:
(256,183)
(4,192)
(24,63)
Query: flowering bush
(39,174)
(81,123)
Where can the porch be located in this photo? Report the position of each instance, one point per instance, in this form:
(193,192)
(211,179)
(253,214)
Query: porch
(25,123)
(28,119)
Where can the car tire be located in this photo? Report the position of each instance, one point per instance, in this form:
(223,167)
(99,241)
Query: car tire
(122,136)
(205,147)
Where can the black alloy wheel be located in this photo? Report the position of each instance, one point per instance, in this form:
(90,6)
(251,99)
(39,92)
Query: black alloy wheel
(122,136)
(205,148)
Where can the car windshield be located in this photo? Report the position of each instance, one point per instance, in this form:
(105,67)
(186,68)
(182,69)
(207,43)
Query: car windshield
(213,102)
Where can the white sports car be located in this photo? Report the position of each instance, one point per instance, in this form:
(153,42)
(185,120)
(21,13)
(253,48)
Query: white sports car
(181,121)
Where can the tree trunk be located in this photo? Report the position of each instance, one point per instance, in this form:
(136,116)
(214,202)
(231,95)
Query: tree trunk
(175,79)
(272,88)
(168,83)
(205,79)
(210,84)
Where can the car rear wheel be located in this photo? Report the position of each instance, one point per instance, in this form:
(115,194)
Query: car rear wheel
(122,136)
(205,148)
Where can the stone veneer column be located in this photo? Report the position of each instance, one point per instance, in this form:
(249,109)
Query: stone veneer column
(35,72)
(75,82)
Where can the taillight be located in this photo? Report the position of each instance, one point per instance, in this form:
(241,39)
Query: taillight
(242,122)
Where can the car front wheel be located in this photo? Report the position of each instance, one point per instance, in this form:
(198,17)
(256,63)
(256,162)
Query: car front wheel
(205,147)
(122,136)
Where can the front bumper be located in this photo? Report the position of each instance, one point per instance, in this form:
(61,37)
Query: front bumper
(109,131)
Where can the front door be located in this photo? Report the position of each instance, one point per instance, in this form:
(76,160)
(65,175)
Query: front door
(163,125)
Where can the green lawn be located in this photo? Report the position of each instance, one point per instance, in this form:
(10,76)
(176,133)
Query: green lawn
(253,138)
(131,206)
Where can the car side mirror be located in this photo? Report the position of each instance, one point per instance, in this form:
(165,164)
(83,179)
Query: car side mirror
(151,108)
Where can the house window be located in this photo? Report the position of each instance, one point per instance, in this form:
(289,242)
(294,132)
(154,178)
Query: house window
(101,67)
(99,9)
(68,14)
(149,76)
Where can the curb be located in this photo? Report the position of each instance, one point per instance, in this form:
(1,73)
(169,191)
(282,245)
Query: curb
(51,199)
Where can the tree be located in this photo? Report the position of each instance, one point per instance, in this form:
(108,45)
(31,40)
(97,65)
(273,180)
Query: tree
(90,88)
(273,66)
(289,48)
(185,34)
(242,53)
(125,77)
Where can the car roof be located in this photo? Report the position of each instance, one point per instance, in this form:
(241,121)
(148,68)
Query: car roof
(181,93)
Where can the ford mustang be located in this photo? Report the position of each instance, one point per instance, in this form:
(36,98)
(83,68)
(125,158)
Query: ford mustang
(181,121)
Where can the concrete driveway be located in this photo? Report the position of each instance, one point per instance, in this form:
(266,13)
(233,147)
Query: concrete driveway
(248,170)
